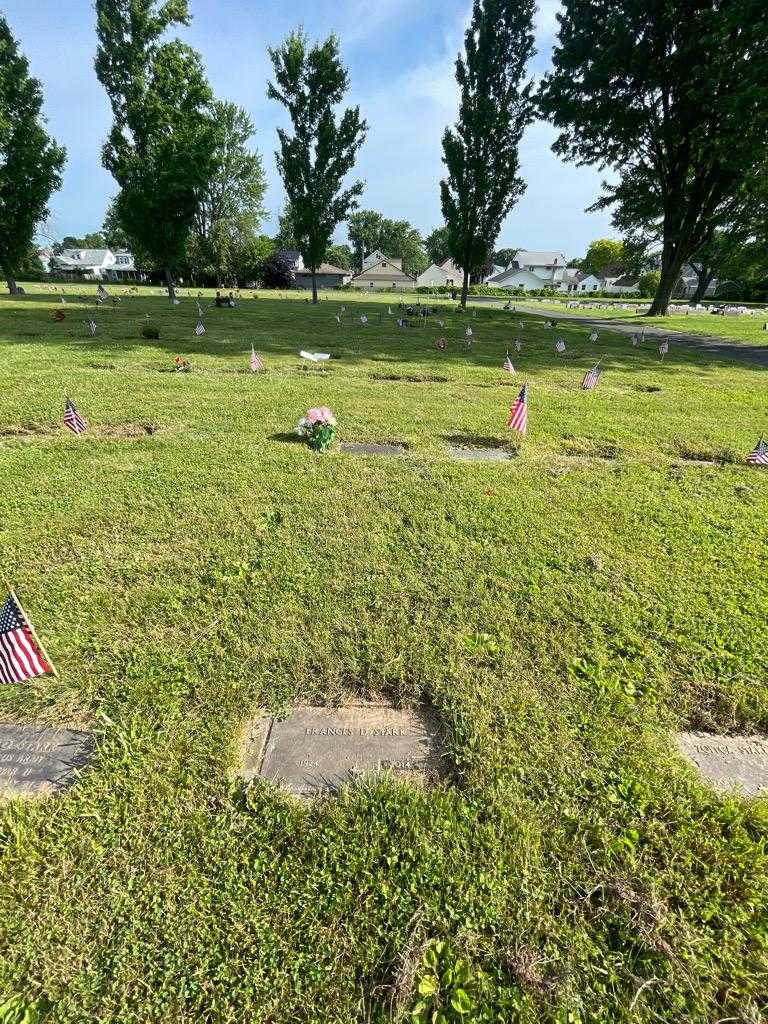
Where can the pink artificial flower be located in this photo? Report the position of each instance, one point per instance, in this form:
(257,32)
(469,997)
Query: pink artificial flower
(314,415)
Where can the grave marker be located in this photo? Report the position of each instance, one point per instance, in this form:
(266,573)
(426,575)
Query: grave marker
(728,762)
(35,760)
(316,750)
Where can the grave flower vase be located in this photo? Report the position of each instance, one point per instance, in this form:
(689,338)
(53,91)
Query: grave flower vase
(321,437)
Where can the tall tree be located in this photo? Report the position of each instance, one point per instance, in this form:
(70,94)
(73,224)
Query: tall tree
(437,245)
(286,230)
(364,231)
(671,95)
(505,257)
(481,152)
(601,253)
(161,149)
(230,204)
(316,159)
(113,231)
(31,163)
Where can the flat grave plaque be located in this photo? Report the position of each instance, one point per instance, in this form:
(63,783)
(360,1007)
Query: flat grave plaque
(35,760)
(370,448)
(728,762)
(315,750)
(480,454)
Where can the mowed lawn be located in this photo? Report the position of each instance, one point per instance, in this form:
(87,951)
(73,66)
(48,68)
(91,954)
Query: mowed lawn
(747,330)
(562,612)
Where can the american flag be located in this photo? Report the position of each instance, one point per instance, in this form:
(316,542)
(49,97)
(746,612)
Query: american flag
(91,325)
(200,328)
(199,311)
(508,366)
(635,340)
(256,363)
(593,336)
(663,348)
(591,378)
(560,345)
(759,454)
(363,319)
(518,412)
(20,658)
(518,345)
(72,418)
(102,292)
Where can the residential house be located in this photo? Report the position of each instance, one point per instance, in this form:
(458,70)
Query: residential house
(689,282)
(95,265)
(292,257)
(387,274)
(590,283)
(441,275)
(326,275)
(624,285)
(372,259)
(536,271)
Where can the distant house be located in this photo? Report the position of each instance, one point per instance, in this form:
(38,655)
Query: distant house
(95,265)
(441,275)
(590,283)
(372,259)
(327,276)
(624,285)
(387,274)
(537,271)
(689,282)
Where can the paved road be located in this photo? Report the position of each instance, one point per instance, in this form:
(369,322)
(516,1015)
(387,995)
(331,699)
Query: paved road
(756,355)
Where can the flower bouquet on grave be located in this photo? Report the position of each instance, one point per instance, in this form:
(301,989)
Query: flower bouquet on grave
(318,428)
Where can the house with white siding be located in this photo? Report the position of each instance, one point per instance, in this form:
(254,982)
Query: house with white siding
(386,275)
(96,264)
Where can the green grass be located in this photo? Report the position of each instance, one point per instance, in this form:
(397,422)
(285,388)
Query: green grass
(562,612)
(747,330)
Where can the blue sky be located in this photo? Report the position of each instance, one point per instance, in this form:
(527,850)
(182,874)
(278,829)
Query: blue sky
(400,54)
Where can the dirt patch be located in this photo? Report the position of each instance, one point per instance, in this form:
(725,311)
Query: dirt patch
(705,456)
(124,430)
(587,447)
(30,430)
(413,378)
(102,366)
(647,389)
(474,441)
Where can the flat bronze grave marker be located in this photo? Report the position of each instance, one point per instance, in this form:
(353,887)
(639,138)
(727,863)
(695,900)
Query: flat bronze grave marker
(729,763)
(315,750)
(480,454)
(370,448)
(35,760)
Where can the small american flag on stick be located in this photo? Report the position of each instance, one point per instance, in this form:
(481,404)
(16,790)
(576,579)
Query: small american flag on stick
(508,366)
(663,348)
(199,328)
(593,336)
(591,378)
(22,656)
(91,325)
(102,292)
(759,454)
(559,346)
(518,412)
(256,363)
(72,417)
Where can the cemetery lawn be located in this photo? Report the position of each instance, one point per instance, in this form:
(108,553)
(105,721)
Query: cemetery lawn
(745,330)
(187,563)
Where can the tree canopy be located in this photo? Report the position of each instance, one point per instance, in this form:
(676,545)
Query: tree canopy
(671,96)
(369,231)
(31,163)
(314,161)
(481,151)
(163,143)
(230,206)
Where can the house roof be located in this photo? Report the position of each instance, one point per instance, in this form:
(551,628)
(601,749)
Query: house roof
(397,276)
(88,257)
(513,272)
(527,257)
(626,281)
(325,268)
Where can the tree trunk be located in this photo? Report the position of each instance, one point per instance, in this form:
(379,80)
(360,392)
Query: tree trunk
(672,259)
(314,288)
(13,288)
(170,285)
(465,289)
(704,280)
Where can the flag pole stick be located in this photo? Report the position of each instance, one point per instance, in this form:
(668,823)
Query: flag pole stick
(32,630)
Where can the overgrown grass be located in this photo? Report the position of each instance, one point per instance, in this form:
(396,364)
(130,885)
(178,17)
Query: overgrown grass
(563,612)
